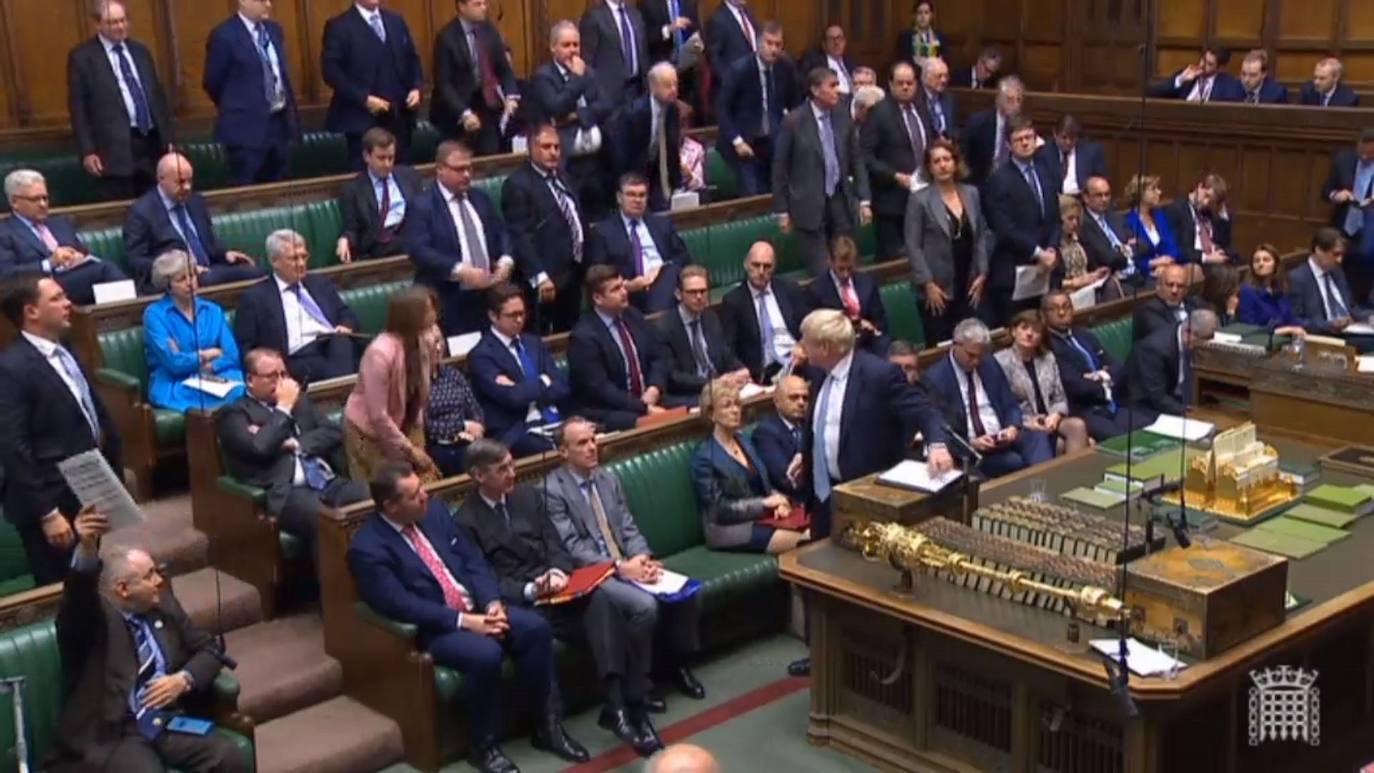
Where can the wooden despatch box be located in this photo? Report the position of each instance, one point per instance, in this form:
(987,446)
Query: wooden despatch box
(1208,597)
(864,500)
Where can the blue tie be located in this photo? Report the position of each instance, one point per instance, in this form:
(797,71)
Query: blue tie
(1333,297)
(548,413)
(308,304)
(87,404)
(192,236)
(1033,180)
(673,13)
(627,43)
(315,475)
(832,162)
(1092,364)
(377,27)
(269,77)
(142,118)
(820,465)
(765,328)
(150,721)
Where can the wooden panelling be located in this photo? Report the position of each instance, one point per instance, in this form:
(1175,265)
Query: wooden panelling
(1239,21)
(1181,18)
(1308,20)
(59,27)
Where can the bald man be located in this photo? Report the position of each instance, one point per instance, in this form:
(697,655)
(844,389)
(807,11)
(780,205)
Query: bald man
(682,758)
(779,437)
(172,216)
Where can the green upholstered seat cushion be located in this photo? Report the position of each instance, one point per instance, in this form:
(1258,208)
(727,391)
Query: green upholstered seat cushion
(658,489)
(107,244)
(169,426)
(14,564)
(122,350)
(1115,337)
(720,176)
(903,316)
(370,303)
(726,577)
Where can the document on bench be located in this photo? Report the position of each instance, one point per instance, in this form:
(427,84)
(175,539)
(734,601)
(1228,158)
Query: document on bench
(1181,428)
(1142,659)
(1365,363)
(211,385)
(915,476)
(95,484)
(460,345)
(669,583)
(1032,281)
(109,292)
(1359,329)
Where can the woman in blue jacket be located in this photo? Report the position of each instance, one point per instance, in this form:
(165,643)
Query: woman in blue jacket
(185,335)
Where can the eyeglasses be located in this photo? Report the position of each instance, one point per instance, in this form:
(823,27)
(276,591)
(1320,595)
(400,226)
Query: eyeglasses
(701,291)
(34,199)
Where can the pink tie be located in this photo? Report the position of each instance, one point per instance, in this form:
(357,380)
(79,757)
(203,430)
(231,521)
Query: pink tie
(851,301)
(47,237)
(454,596)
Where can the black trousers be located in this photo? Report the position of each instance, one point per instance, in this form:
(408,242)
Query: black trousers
(147,150)
(620,636)
(324,358)
(212,753)
(814,238)
(561,314)
(891,236)
(300,513)
(266,164)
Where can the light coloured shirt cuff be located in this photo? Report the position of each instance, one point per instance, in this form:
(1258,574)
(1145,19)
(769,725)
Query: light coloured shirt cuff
(459,624)
(548,382)
(506,261)
(47,266)
(83,561)
(539,279)
(529,591)
(667,31)
(465,115)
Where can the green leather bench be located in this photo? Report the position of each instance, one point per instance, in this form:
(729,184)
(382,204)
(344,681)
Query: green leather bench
(720,176)
(903,315)
(14,564)
(32,652)
(1115,336)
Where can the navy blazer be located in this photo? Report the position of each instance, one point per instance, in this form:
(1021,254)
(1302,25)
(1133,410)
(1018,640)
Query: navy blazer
(777,446)
(682,374)
(261,319)
(355,64)
(148,232)
(1345,166)
(1306,296)
(1184,227)
(1084,395)
(1344,96)
(431,237)
(1154,314)
(234,81)
(741,320)
(392,579)
(610,243)
(739,100)
(1225,88)
(457,83)
(1090,162)
(887,151)
(726,41)
(362,220)
(553,99)
(596,369)
(943,383)
(979,141)
(946,100)
(21,252)
(1271,92)
(1154,367)
(631,140)
(505,407)
(825,295)
(1098,246)
(602,50)
(658,14)
(543,239)
(1020,223)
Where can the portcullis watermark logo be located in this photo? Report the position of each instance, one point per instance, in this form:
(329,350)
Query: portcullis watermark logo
(1285,705)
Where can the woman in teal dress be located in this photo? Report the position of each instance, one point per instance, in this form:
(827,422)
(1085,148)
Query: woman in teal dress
(184,335)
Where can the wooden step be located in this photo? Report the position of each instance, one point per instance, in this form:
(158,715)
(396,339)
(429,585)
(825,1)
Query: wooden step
(238,602)
(337,736)
(283,667)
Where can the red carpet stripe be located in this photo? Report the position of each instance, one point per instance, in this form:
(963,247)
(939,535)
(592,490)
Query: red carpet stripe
(697,723)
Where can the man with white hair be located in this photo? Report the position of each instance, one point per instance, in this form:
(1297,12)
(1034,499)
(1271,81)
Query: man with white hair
(298,314)
(1326,89)
(980,405)
(1161,366)
(647,137)
(33,241)
(985,141)
(935,98)
(130,660)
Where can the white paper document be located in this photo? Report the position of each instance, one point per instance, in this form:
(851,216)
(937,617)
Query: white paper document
(1359,329)
(460,345)
(1086,297)
(668,583)
(212,386)
(109,292)
(915,475)
(95,484)
(1226,338)
(1032,281)
(1181,427)
(683,200)
(1366,363)
(752,390)
(1142,659)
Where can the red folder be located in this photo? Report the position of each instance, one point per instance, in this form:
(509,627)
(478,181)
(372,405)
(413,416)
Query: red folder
(581,582)
(797,520)
(653,419)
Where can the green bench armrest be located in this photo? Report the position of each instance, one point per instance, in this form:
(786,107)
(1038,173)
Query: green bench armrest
(403,630)
(226,687)
(233,486)
(119,378)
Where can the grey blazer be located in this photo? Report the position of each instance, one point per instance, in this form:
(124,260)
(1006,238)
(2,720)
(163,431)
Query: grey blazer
(929,237)
(799,167)
(1046,372)
(576,523)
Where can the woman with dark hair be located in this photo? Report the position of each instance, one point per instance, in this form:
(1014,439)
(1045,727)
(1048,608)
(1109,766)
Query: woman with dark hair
(1151,228)
(1264,295)
(453,419)
(384,418)
(1033,373)
(1221,290)
(947,242)
(921,41)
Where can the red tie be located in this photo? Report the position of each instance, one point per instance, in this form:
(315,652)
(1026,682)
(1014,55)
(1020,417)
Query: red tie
(631,358)
(850,300)
(978,429)
(386,233)
(455,597)
(1204,232)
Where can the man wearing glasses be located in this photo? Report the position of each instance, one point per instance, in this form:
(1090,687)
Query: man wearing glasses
(643,246)
(696,339)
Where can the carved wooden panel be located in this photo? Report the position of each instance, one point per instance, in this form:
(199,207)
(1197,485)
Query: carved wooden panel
(42,32)
(1182,19)
(1239,22)
(1308,20)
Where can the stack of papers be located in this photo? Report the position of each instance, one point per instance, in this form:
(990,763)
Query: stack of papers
(1093,497)
(1359,329)
(1346,499)
(669,583)
(216,387)
(1366,363)
(915,476)
(1181,427)
(1142,659)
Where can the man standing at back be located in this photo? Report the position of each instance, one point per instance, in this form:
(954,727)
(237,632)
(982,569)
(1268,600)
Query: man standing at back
(369,59)
(474,86)
(118,109)
(247,77)
(894,142)
(755,92)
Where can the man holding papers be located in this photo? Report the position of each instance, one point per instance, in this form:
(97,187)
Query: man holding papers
(49,411)
(588,507)
(513,529)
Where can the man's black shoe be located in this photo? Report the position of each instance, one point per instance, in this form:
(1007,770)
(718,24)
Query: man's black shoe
(492,760)
(686,683)
(800,667)
(555,740)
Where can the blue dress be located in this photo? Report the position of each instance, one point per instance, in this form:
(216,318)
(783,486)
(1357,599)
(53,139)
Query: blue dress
(163,324)
(1264,307)
(1166,246)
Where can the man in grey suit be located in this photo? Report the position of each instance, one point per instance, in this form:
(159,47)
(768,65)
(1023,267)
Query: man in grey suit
(588,506)
(819,178)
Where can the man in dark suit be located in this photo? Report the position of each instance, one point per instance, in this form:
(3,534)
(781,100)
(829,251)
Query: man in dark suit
(457,242)
(616,362)
(894,141)
(985,140)
(780,438)
(642,246)
(1070,159)
(48,412)
(731,34)
(617,48)
(369,59)
(695,339)
(853,292)
(763,315)
(588,506)
(1350,190)
(1205,81)
(935,99)
(1094,380)
(1106,238)
(755,93)
(1161,366)
(34,242)
(1169,306)
(669,25)
(512,527)
(413,563)
(906,356)
(299,314)
(514,376)
(275,438)
(549,236)
(1326,89)
(172,216)
(474,86)
(1319,293)
(247,77)
(1257,88)
(648,137)
(1023,210)
(374,204)
(131,661)
(983,73)
(980,405)
(565,94)
(830,52)
(820,183)
(118,109)
(1199,223)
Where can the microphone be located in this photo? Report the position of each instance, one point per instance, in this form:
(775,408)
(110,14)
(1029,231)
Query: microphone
(970,452)
(1178,526)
